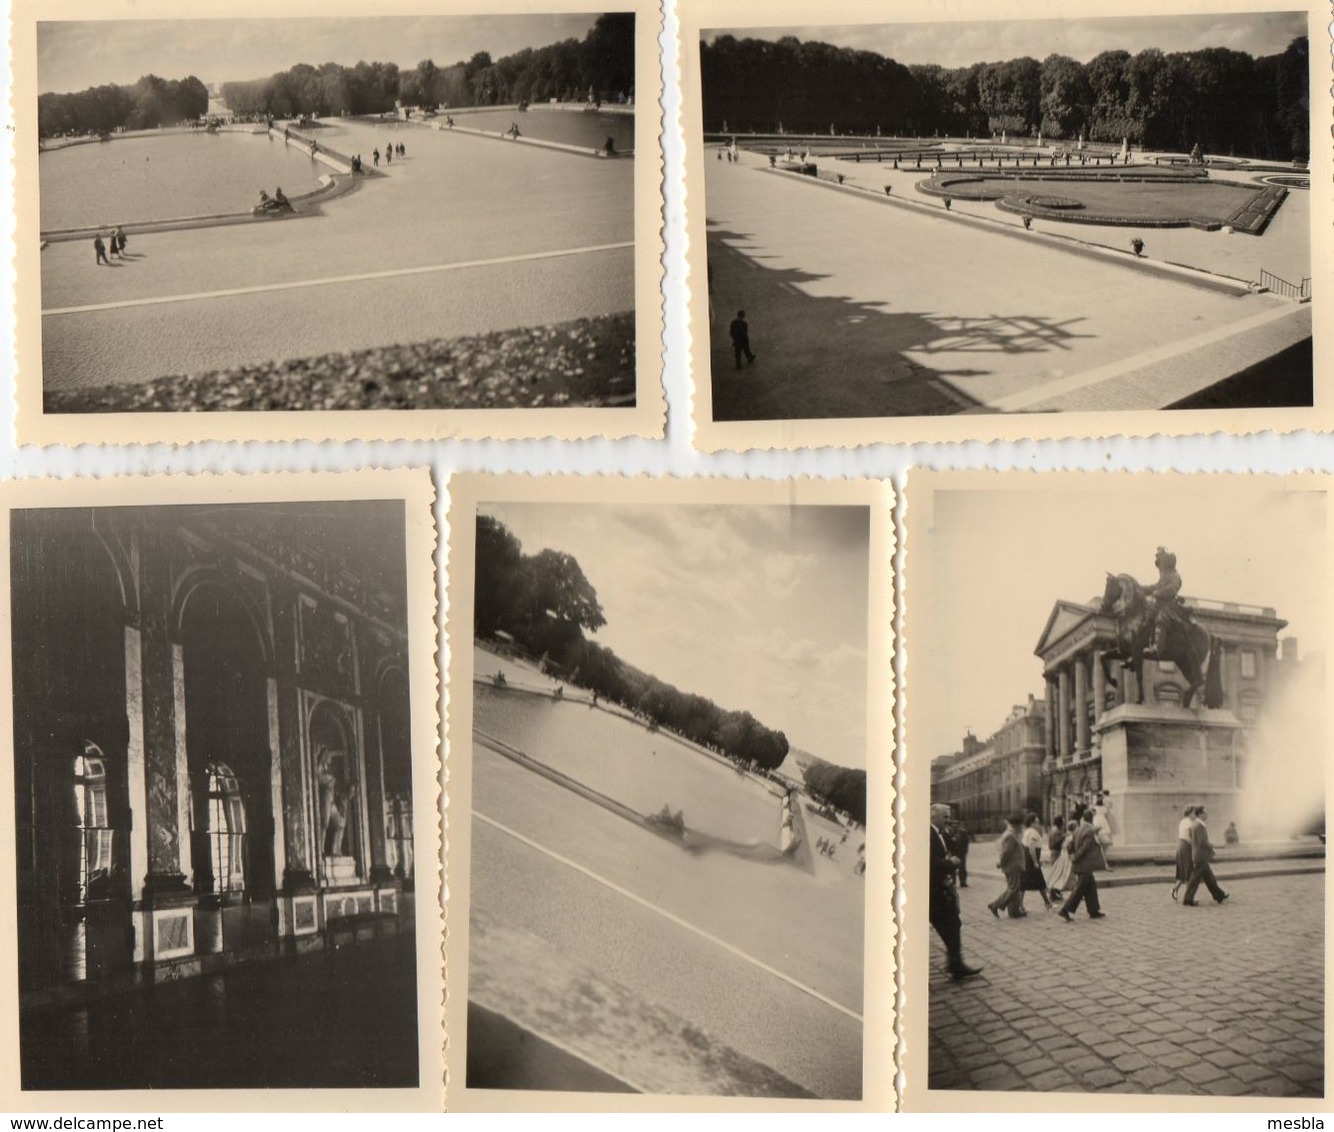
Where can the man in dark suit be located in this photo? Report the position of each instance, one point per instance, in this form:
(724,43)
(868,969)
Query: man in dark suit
(740,333)
(1201,857)
(958,839)
(944,899)
(1011,863)
(1086,859)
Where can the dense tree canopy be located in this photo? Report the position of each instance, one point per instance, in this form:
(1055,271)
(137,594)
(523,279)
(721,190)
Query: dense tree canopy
(601,64)
(546,603)
(1224,100)
(842,787)
(148,104)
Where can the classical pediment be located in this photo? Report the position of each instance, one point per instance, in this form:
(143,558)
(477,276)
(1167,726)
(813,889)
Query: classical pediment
(1065,616)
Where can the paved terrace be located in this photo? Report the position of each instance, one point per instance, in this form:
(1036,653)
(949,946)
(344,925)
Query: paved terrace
(863,307)
(464,235)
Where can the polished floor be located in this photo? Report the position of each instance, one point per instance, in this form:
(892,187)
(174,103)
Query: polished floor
(344,1018)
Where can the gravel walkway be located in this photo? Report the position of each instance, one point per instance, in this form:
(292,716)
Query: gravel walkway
(586,362)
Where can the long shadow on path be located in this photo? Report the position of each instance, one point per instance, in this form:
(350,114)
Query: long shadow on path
(832,356)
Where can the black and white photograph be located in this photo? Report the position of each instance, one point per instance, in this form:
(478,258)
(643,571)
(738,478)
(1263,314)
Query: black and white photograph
(1120,750)
(672,797)
(1082,215)
(220,856)
(349,214)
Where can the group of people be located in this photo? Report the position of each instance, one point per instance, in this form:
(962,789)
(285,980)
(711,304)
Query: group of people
(389,151)
(276,203)
(1077,853)
(112,245)
(1195,855)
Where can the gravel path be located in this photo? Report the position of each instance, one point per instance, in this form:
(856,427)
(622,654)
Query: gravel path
(588,362)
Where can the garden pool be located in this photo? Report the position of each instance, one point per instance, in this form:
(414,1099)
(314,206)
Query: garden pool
(622,759)
(141,179)
(589,128)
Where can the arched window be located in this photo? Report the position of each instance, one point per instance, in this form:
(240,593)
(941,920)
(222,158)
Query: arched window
(95,834)
(225,815)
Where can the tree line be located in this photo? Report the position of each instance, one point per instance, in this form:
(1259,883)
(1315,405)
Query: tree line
(1226,101)
(602,65)
(148,104)
(842,787)
(545,602)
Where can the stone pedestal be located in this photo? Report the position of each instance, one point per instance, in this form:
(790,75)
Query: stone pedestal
(340,870)
(1159,758)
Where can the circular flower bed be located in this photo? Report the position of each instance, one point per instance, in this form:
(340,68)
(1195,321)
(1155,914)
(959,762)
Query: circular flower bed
(1053,202)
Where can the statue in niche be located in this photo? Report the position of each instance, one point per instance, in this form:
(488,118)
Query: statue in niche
(337,794)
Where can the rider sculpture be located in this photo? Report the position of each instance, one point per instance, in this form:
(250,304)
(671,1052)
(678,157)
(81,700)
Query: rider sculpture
(1166,607)
(1152,622)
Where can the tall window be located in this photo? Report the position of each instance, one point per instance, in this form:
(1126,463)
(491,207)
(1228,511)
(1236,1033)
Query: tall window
(94,828)
(1247,664)
(226,829)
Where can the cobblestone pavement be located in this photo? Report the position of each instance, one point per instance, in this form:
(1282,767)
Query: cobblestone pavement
(1225,1000)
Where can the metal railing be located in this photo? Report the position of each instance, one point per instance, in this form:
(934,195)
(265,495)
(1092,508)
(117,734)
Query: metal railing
(1280,286)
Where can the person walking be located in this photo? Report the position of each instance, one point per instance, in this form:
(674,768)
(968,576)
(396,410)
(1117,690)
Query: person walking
(101,249)
(1033,880)
(740,332)
(958,839)
(1010,860)
(1185,849)
(1058,845)
(1102,824)
(1202,855)
(1086,859)
(118,239)
(944,898)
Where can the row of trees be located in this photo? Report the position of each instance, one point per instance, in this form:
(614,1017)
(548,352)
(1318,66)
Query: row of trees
(842,787)
(603,63)
(148,104)
(1226,101)
(547,604)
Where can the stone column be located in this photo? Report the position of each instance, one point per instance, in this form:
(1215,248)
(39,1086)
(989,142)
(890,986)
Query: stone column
(168,843)
(1050,724)
(136,770)
(291,804)
(1099,685)
(276,786)
(1081,705)
(375,800)
(1063,710)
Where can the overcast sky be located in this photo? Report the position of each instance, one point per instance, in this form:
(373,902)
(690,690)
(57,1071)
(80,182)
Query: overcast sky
(761,609)
(76,54)
(999,561)
(962,44)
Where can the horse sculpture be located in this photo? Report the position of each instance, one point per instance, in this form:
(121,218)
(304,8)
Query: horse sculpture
(1191,647)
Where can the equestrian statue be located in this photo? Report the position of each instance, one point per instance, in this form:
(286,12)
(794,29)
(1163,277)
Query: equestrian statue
(1152,621)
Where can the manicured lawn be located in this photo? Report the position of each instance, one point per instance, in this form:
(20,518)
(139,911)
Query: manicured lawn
(1131,199)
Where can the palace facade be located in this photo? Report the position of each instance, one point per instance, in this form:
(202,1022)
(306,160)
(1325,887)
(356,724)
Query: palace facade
(983,783)
(211,737)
